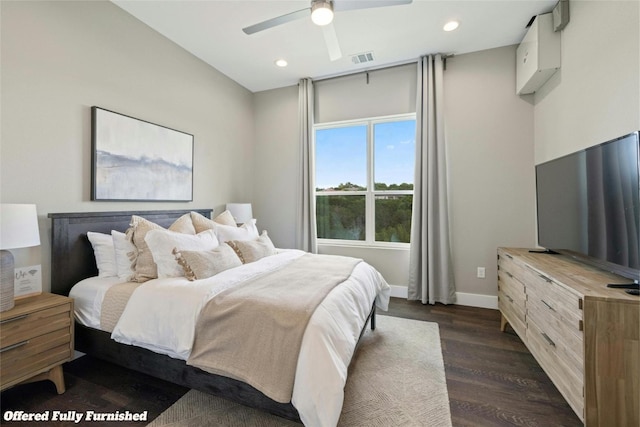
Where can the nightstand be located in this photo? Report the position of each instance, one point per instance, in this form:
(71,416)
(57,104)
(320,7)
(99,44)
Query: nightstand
(36,338)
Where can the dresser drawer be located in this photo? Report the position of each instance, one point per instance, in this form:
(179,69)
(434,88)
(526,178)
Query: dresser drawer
(507,263)
(560,302)
(569,383)
(511,301)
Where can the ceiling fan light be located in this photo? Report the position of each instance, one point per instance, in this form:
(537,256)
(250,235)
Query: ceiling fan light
(321,12)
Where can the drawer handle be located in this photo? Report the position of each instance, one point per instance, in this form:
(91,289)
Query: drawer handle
(545,278)
(509,256)
(508,297)
(11,347)
(509,274)
(13,319)
(548,306)
(549,340)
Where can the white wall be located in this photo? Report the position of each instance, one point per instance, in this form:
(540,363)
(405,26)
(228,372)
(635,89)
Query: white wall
(490,134)
(277,164)
(59,59)
(490,147)
(595,96)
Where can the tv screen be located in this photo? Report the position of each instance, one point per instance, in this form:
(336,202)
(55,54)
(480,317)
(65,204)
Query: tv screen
(589,205)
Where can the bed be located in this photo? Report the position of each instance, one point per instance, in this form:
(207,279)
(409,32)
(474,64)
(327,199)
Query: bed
(73,260)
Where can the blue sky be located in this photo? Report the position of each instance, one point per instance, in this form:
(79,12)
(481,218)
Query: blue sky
(341,154)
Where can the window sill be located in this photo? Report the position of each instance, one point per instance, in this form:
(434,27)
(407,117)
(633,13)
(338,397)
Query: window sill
(364,245)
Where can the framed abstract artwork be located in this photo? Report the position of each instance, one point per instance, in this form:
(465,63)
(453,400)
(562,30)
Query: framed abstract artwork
(135,160)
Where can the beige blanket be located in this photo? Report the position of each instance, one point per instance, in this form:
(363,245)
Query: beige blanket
(253,332)
(113,304)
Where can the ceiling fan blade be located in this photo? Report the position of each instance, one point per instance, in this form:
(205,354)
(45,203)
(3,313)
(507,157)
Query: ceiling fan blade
(331,39)
(340,5)
(273,22)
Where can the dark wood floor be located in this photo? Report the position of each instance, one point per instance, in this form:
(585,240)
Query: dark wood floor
(492,378)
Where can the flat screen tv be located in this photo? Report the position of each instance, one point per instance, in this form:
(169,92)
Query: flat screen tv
(589,205)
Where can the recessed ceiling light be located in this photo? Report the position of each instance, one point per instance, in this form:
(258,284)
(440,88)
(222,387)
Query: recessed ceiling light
(281,63)
(451,25)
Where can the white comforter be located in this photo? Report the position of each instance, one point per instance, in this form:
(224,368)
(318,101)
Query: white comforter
(327,346)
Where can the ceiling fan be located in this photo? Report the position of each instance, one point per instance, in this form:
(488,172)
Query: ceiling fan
(321,12)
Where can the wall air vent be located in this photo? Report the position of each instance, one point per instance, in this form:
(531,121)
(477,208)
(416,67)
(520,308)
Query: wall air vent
(361,58)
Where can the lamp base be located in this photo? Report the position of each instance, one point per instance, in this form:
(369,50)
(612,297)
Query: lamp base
(7,275)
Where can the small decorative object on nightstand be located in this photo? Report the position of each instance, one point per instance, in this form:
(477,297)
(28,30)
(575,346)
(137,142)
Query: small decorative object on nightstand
(18,229)
(36,338)
(241,212)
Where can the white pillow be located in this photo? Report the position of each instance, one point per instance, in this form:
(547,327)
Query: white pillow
(125,251)
(162,242)
(247,231)
(105,254)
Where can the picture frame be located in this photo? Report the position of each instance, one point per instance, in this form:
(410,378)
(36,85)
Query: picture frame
(136,160)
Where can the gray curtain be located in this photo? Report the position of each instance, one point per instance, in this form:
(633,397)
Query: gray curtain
(430,264)
(306,218)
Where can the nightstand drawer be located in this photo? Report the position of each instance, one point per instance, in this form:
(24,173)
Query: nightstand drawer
(31,325)
(34,355)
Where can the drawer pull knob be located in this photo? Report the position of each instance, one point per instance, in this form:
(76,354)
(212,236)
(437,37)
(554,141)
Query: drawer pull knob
(13,319)
(549,340)
(11,347)
(548,306)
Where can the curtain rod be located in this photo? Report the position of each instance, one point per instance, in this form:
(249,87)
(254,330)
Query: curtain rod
(382,67)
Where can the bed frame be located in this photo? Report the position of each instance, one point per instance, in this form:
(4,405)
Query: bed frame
(72,260)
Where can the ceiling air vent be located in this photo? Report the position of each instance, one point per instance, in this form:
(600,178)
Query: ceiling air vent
(361,58)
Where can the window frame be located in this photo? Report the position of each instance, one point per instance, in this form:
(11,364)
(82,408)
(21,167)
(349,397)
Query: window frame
(370,193)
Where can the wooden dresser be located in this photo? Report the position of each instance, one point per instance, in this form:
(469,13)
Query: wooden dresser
(584,335)
(36,338)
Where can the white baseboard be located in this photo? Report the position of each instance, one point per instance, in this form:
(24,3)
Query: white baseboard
(399,291)
(477,300)
(462,298)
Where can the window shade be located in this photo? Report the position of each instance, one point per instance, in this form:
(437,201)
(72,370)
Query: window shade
(388,91)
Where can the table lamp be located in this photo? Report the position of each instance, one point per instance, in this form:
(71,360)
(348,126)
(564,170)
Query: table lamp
(241,212)
(18,229)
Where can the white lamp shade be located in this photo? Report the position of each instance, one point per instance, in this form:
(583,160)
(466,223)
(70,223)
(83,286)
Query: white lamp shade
(18,226)
(241,212)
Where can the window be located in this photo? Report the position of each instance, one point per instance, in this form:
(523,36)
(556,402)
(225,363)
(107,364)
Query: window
(364,180)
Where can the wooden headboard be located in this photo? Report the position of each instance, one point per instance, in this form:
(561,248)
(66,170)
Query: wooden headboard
(72,256)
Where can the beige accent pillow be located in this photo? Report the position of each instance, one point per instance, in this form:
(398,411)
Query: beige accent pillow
(202,223)
(162,242)
(143,265)
(199,265)
(252,250)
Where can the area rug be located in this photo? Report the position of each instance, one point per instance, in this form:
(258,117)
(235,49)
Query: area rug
(396,378)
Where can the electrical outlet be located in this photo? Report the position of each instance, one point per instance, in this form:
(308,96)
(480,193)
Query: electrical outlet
(481,273)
